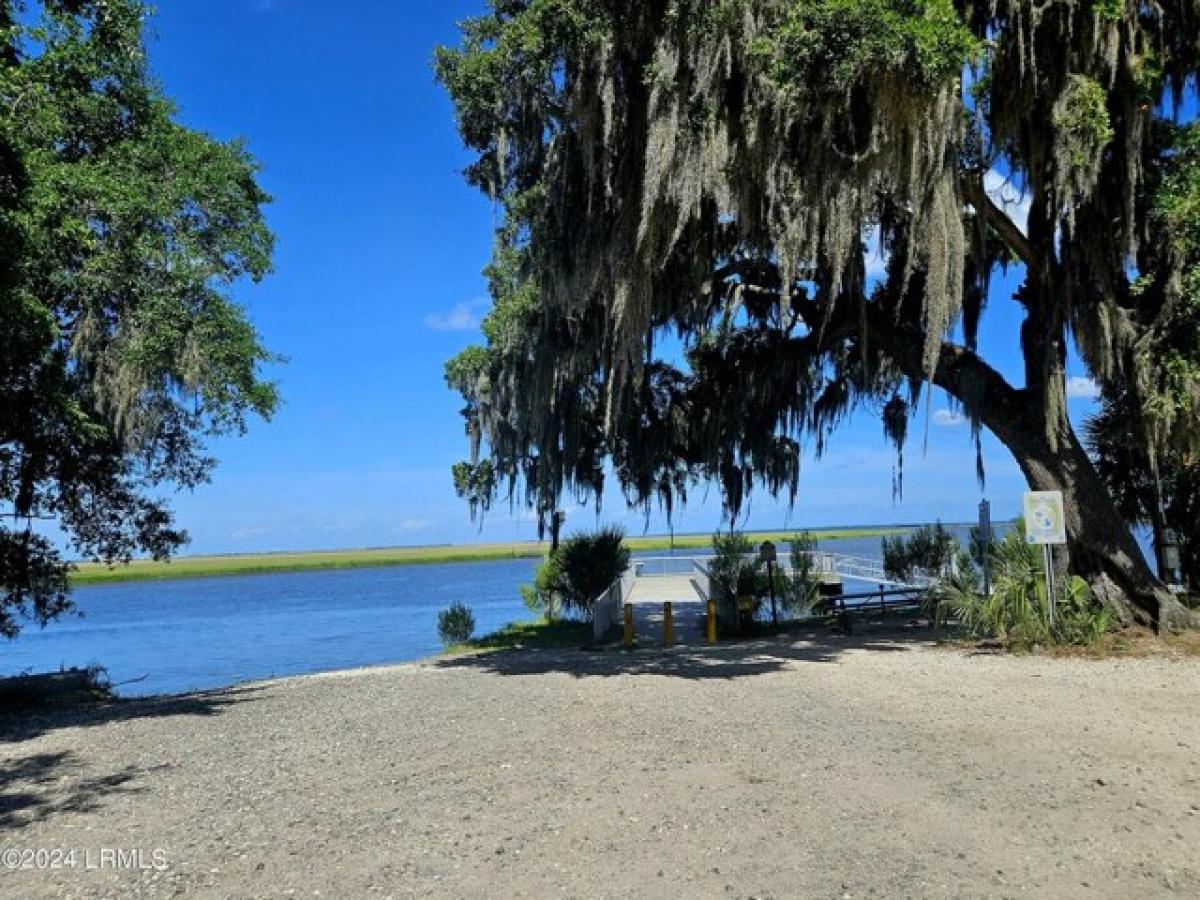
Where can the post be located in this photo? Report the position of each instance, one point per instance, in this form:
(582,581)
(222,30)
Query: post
(985,545)
(712,622)
(771,586)
(628,639)
(882,602)
(668,626)
(987,574)
(768,554)
(1051,587)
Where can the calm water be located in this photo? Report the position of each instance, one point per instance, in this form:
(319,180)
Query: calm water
(212,632)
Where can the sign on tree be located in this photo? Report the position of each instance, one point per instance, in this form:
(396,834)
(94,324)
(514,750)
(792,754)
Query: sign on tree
(1045,521)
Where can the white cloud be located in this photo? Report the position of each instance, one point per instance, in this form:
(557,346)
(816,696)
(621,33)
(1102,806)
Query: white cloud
(463,317)
(1079,388)
(949,419)
(411,525)
(1009,198)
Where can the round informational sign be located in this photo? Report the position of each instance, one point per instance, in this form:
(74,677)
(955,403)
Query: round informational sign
(767,552)
(1045,522)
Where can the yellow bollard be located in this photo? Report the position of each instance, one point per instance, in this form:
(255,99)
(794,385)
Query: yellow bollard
(668,626)
(712,621)
(628,625)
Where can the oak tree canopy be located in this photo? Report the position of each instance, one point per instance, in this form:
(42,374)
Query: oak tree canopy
(121,353)
(720,170)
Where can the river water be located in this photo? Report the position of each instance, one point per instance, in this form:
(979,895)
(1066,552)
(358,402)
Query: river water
(161,637)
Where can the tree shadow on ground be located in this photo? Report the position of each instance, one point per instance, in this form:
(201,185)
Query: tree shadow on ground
(47,784)
(23,725)
(728,660)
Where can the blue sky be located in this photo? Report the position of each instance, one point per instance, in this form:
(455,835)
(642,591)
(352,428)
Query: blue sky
(377,283)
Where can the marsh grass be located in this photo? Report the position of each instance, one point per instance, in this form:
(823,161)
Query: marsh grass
(269,563)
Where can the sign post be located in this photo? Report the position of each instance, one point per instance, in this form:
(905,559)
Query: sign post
(1046,526)
(768,555)
(985,545)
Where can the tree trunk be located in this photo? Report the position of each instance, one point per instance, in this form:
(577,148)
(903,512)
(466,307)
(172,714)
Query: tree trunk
(1102,548)
(1101,545)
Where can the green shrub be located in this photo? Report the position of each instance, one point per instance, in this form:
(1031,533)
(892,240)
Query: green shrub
(582,568)
(456,624)
(1017,609)
(803,583)
(946,598)
(736,570)
(66,687)
(1080,619)
(930,552)
(542,596)
(1014,609)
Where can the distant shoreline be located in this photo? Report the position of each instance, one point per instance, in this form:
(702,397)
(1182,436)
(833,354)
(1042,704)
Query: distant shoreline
(278,563)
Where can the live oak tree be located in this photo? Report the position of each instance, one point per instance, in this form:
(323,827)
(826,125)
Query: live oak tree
(723,172)
(120,232)
(1156,482)
(1160,492)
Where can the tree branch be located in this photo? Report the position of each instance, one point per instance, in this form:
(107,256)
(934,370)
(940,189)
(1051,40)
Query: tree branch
(1015,239)
(961,372)
(761,277)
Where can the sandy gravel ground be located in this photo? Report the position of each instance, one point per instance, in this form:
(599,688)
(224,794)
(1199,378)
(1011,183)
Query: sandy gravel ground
(870,766)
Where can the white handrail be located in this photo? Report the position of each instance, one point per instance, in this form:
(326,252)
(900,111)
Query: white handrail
(860,568)
(607,608)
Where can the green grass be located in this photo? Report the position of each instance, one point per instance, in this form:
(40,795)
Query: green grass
(539,635)
(265,563)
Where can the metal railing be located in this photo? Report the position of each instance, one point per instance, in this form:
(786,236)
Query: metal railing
(661,566)
(701,580)
(858,568)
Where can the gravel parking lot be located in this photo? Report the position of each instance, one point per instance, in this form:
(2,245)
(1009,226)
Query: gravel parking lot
(871,765)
